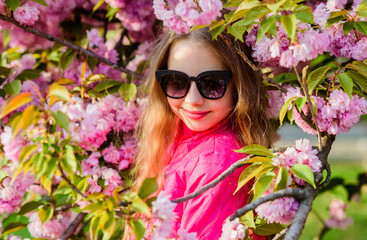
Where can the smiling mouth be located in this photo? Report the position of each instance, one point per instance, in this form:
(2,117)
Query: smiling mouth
(195,115)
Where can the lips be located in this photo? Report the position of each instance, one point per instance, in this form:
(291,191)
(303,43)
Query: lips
(195,115)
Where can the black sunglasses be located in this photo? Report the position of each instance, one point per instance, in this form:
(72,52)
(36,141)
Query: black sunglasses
(176,84)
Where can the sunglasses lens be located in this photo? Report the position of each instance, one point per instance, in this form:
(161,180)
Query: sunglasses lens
(175,85)
(212,86)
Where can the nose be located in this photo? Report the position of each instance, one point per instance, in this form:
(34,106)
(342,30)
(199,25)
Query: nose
(194,97)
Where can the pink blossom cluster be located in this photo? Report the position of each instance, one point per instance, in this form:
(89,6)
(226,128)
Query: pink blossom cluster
(336,115)
(302,153)
(12,193)
(233,230)
(181,15)
(281,210)
(351,45)
(164,216)
(271,52)
(338,218)
(53,228)
(26,14)
(12,146)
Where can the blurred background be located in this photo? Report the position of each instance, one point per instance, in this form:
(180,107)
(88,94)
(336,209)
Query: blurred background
(348,160)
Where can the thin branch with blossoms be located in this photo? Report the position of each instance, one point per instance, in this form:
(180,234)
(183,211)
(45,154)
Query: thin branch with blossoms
(69,45)
(73,226)
(298,193)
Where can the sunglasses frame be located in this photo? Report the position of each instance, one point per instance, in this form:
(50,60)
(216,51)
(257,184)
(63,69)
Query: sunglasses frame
(226,75)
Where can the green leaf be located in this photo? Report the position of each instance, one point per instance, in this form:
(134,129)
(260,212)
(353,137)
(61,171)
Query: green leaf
(140,206)
(13,87)
(282,179)
(62,119)
(233,3)
(29,206)
(68,162)
(216,31)
(12,227)
(51,168)
(262,184)
(243,8)
(12,4)
(289,22)
(347,27)
(96,77)
(127,91)
(265,26)
(248,219)
(315,77)
(300,102)
(148,187)
(249,173)
(331,21)
(14,103)
(265,229)
(59,91)
(138,228)
(285,77)
(359,78)
(45,213)
(97,6)
(4,71)
(362,9)
(29,74)
(256,149)
(42,2)
(284,110)
(67,59)
(105,85)
(275,6)
(361,27)
(305,17)
(26,152)
(304,172)
(358,66)
(347,83)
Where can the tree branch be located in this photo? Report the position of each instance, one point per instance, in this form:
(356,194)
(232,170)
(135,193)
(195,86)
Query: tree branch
(71,185)
(213,183)
(281,234)
(304,208)
(298,193)
(69,45)
(73,226)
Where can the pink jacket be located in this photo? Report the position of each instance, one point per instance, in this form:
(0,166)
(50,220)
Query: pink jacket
(196,159)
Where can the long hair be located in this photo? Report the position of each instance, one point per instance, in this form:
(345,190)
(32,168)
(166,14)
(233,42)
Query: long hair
(157,125)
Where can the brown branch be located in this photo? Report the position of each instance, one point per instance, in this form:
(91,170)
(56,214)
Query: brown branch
(298,193)
(69,45)
(71,185)
(303,210)
(281,234)
(73,226)
(213,183)
(251,64)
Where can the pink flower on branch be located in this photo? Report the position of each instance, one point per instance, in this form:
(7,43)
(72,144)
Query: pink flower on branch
(26,14)
(338,218)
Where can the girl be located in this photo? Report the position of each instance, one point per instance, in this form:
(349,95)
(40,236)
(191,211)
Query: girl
(204,102)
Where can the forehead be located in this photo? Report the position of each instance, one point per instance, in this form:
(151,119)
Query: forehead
(193,57)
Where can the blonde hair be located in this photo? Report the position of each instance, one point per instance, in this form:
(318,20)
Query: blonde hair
(157,124)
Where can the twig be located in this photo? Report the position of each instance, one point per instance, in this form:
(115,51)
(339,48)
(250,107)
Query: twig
(298,193)
(73,226)
(69,45)
(281,234)
(71,185)
(213,183)
(251,64)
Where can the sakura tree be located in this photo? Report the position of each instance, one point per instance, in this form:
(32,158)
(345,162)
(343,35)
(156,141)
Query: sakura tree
(69,73)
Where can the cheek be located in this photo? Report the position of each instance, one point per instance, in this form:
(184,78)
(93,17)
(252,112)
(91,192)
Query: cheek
(174,104)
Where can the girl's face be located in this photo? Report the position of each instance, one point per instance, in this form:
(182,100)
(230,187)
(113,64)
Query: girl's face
(198,113)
